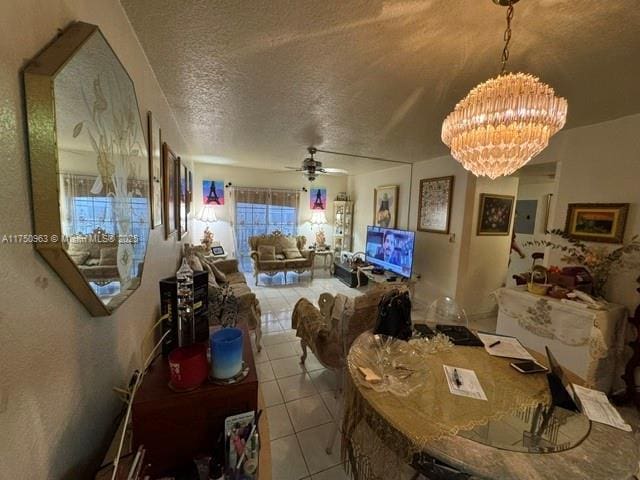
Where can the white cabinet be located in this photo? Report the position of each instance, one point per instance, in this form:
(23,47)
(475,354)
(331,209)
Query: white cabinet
(342,226)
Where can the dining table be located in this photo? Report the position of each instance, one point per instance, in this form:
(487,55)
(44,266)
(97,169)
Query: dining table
(400,414)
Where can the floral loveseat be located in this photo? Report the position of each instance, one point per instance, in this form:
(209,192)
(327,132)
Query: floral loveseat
(280,253)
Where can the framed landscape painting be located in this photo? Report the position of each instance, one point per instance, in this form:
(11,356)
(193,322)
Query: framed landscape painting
(434,207)
(494,214)
(385,200)
(169,161)
(597,222)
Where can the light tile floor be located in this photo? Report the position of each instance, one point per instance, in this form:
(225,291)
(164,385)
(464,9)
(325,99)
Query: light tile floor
(300,400)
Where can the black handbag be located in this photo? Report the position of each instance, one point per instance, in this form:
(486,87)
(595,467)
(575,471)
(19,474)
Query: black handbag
(394,315)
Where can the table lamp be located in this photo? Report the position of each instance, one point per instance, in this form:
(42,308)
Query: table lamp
(318,218)
(207,215)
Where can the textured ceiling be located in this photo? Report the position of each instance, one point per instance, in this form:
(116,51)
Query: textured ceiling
(253,83)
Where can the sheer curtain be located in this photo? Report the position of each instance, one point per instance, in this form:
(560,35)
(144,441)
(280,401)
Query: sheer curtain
(260,211)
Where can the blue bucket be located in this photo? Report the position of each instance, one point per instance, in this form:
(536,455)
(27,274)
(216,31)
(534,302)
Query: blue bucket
(226,353)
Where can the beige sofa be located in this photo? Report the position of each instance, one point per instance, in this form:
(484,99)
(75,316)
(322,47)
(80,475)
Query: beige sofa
(221,274)
(276,253)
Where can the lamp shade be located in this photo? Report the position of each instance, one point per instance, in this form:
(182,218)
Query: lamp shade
(207,214)
(318,217)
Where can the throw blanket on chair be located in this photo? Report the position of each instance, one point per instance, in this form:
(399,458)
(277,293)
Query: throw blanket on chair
(312,328)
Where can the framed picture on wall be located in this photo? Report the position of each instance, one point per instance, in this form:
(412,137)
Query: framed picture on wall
(597,222)
(155,172)
(434,207)
(213,192)
(169,160)
(494,214)
(318,198)
(182,176)
(385,211)
(189,191)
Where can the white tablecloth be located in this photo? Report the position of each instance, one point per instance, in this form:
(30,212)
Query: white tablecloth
(588,342)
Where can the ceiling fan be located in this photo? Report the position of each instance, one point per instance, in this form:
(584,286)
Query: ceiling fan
(311,167)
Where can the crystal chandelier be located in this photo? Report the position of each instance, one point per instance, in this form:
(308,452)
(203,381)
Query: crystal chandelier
(504,122)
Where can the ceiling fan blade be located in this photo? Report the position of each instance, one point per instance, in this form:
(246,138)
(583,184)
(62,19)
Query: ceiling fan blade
(340,171)
(297,169)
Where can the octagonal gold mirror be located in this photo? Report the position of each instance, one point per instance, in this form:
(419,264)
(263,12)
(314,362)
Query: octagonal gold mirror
(89,168)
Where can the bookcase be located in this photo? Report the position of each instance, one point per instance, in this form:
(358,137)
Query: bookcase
(342,226)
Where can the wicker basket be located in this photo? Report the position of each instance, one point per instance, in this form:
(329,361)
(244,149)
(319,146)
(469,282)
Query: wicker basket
(538,288)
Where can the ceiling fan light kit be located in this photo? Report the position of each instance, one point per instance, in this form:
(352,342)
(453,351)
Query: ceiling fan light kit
(311,167)
(504,122)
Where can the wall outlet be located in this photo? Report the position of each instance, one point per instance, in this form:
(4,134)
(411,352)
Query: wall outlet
(452,238)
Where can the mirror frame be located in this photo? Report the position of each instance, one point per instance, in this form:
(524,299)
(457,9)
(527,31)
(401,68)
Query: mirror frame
(39,77)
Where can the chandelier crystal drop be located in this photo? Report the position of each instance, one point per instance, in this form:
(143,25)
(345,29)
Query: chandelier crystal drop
(504,122)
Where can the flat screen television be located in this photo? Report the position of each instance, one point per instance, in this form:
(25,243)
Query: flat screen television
(390,249)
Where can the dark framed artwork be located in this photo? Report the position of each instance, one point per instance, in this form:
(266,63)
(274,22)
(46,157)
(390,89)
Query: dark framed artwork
(169,161)
(183,194)
(385,206)
(494,214)
(434,207)
(597,222)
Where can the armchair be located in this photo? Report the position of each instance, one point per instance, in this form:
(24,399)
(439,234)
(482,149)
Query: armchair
(331,330)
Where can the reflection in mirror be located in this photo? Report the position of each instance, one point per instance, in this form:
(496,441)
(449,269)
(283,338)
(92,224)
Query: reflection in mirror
(89,168)
(103,171)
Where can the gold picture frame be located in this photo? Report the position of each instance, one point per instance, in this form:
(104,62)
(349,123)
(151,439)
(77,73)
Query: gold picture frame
(597,222)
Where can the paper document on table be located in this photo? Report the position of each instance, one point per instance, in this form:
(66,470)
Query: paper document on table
(463,382)
(508,347)
(596,406)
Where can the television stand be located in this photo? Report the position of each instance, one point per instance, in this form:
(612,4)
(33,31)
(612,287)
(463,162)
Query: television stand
(350,276)
(386,279)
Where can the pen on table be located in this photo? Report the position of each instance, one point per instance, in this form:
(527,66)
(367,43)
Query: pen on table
(456,378)
(494,344)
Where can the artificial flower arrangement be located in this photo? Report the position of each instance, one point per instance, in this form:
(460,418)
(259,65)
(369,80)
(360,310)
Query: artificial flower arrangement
(598,259)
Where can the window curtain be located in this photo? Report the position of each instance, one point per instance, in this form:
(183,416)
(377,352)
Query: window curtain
(259,211)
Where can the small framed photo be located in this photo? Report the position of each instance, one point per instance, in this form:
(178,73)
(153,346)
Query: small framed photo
(217,250)
(434,207)
(494,214)
(597,222)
